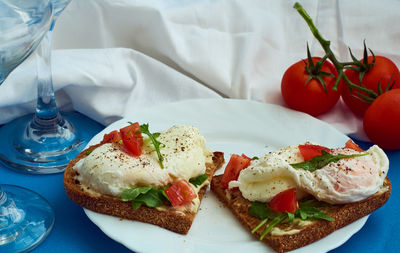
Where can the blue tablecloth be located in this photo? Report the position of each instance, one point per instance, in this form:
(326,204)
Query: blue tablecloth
(74,232)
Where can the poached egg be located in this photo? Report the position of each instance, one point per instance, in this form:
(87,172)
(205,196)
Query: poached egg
(109,170)
(347,180)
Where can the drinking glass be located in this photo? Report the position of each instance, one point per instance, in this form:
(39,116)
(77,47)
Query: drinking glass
(25,217)
(45,142)
(41,143)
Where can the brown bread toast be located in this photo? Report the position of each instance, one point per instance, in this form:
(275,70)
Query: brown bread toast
(167,217)
(304,234)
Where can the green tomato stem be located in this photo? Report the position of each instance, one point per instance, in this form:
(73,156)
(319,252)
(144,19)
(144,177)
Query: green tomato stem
(349,63)
(326,46)
(324,43)
(371,93)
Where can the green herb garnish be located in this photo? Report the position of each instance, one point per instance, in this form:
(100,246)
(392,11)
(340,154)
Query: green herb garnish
(307,210)
(317,162)
(272,224)
(261,210)
(255,158)
(144,128)
(199,180)
(87,152)
(310,210)
(149,196)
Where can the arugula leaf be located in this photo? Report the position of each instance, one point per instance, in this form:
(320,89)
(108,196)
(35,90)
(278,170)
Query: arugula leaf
(152,198)
(259,225)
(312,203)
(307,210)
(317,162)
(199,180)
(309,202)
(136,205)
(262,211)
(302,214)
(133,193)
(291,217)
(272,224)
(149,196)
(164,194)
(144,128)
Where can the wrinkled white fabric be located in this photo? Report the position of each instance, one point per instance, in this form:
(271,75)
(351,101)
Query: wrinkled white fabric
(104,84)
(115,56)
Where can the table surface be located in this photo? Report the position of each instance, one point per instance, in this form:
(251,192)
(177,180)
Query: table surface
(74,232)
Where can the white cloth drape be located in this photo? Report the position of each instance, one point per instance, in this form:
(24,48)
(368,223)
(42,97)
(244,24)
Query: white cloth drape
(112,57)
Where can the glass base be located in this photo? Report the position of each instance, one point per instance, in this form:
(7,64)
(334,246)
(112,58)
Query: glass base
(38,150)
(26,218)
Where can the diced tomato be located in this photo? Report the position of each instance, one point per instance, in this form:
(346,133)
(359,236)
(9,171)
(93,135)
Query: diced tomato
(285,201)
(232,170)
(111,137)
(308,151)
(180,193)
(132,138)
(245,156)
(351,145)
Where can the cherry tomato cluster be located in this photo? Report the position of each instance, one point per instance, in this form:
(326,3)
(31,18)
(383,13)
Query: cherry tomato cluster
(369,87)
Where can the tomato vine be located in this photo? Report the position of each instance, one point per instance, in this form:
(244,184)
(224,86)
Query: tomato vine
(361,67)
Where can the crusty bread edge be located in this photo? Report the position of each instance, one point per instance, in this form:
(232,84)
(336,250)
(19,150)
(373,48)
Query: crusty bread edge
(169,219)
(343,215)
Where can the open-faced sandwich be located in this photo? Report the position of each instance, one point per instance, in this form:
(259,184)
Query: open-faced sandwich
(300,194)
(158,178)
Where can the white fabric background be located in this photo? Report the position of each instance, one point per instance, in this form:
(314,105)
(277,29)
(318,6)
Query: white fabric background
(112,57)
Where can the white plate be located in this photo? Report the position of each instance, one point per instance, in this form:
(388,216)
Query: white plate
(231,126)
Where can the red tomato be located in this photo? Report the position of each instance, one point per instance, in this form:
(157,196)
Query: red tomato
(382,70)
(308,151)
(180,193)
(382,120)
(245,156)
(132,138)
(310,98)
(111,137)
(351,145)
(232,170)
(285,201)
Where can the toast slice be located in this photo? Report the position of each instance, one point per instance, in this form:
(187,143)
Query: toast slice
(168,217)
(290,237)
